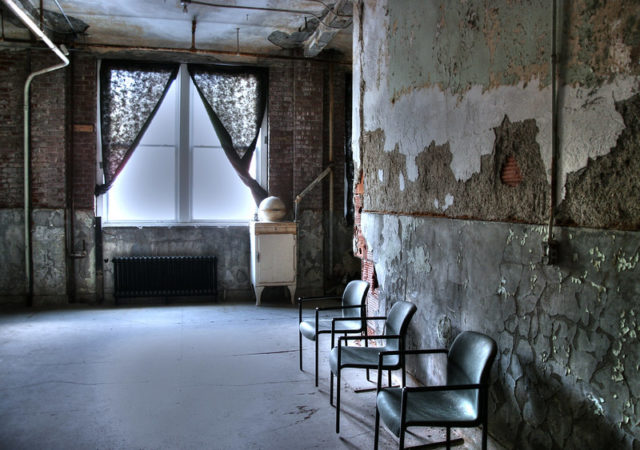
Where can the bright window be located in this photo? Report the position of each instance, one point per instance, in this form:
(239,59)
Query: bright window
(179,172)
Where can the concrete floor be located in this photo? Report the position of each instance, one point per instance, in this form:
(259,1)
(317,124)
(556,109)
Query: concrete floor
(220,376)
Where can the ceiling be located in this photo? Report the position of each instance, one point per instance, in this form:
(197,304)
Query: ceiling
(313,28)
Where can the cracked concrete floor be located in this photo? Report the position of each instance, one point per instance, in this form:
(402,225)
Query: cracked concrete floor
(219,376)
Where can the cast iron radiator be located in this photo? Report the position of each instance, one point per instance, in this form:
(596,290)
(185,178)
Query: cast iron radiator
(163,276)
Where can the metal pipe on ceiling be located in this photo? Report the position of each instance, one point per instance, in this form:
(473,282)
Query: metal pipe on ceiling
(123,48)
(250,8)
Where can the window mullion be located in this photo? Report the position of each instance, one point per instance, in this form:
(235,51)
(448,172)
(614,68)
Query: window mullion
(183,166)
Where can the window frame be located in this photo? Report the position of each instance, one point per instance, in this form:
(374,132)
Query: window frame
(184,165)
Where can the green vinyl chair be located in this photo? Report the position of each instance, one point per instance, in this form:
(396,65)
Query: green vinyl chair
(462,402)
(348,318)
(395,330)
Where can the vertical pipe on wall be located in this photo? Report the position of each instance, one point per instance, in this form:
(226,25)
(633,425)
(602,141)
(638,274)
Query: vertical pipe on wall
(550,250)
(69,211)
(27,175)
(331,176)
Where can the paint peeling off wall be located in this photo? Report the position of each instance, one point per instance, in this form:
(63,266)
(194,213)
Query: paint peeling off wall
(484,195)
(12,284)
(602,194)
(420,110)
(591,124)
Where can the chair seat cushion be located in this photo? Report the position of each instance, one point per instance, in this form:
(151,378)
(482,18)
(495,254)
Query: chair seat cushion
(362,357)
(308,327)
(435,408)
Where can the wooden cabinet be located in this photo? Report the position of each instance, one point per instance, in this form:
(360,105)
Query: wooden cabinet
(273,256)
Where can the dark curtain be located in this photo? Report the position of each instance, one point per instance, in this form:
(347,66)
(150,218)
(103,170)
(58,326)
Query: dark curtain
(235,100)
(130,94)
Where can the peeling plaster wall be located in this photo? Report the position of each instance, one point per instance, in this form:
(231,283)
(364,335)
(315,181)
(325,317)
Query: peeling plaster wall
(444,94)
(12,284)
(230,244)
(566,371)
(422,111)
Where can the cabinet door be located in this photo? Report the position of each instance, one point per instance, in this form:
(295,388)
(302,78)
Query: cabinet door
(276,258)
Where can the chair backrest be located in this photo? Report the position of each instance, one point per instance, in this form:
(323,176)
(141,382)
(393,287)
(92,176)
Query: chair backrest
(398,322)
(355,294)
(469,362)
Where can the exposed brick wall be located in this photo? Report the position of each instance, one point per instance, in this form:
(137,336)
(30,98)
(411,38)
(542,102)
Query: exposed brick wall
(308,123)
(84,126)
(296,130)
(280,112)
(49,127)
(13,72)
(48,133)
(364,253)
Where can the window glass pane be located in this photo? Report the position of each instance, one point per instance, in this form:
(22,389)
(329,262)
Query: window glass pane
(146,188)
(202,132)
(162,129)
(218,192)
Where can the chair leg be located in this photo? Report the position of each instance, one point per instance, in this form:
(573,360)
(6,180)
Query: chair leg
(317,339)
(389,377)
(401,442)
(484,434)
(331,390)
(300,344)
(448,438)
(377,432)
(338,401)
(366,344)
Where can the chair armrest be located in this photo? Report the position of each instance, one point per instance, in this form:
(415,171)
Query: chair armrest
(329,308)
(301,300)
(361,318)
(315,299)
(374,318)
(381,356)
(374,336)
(416,351)
(454,387)
(368,338)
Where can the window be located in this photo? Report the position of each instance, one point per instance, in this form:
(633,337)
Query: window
(179,172)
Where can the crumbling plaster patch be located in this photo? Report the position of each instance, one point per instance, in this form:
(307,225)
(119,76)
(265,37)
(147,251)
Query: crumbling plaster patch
(437,192)
(49,269)
(598,195)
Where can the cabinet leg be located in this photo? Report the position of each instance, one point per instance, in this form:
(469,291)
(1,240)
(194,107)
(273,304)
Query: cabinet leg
(292,291)
(258,290)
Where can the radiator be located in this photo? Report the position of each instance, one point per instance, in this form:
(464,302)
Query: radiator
(164,276)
